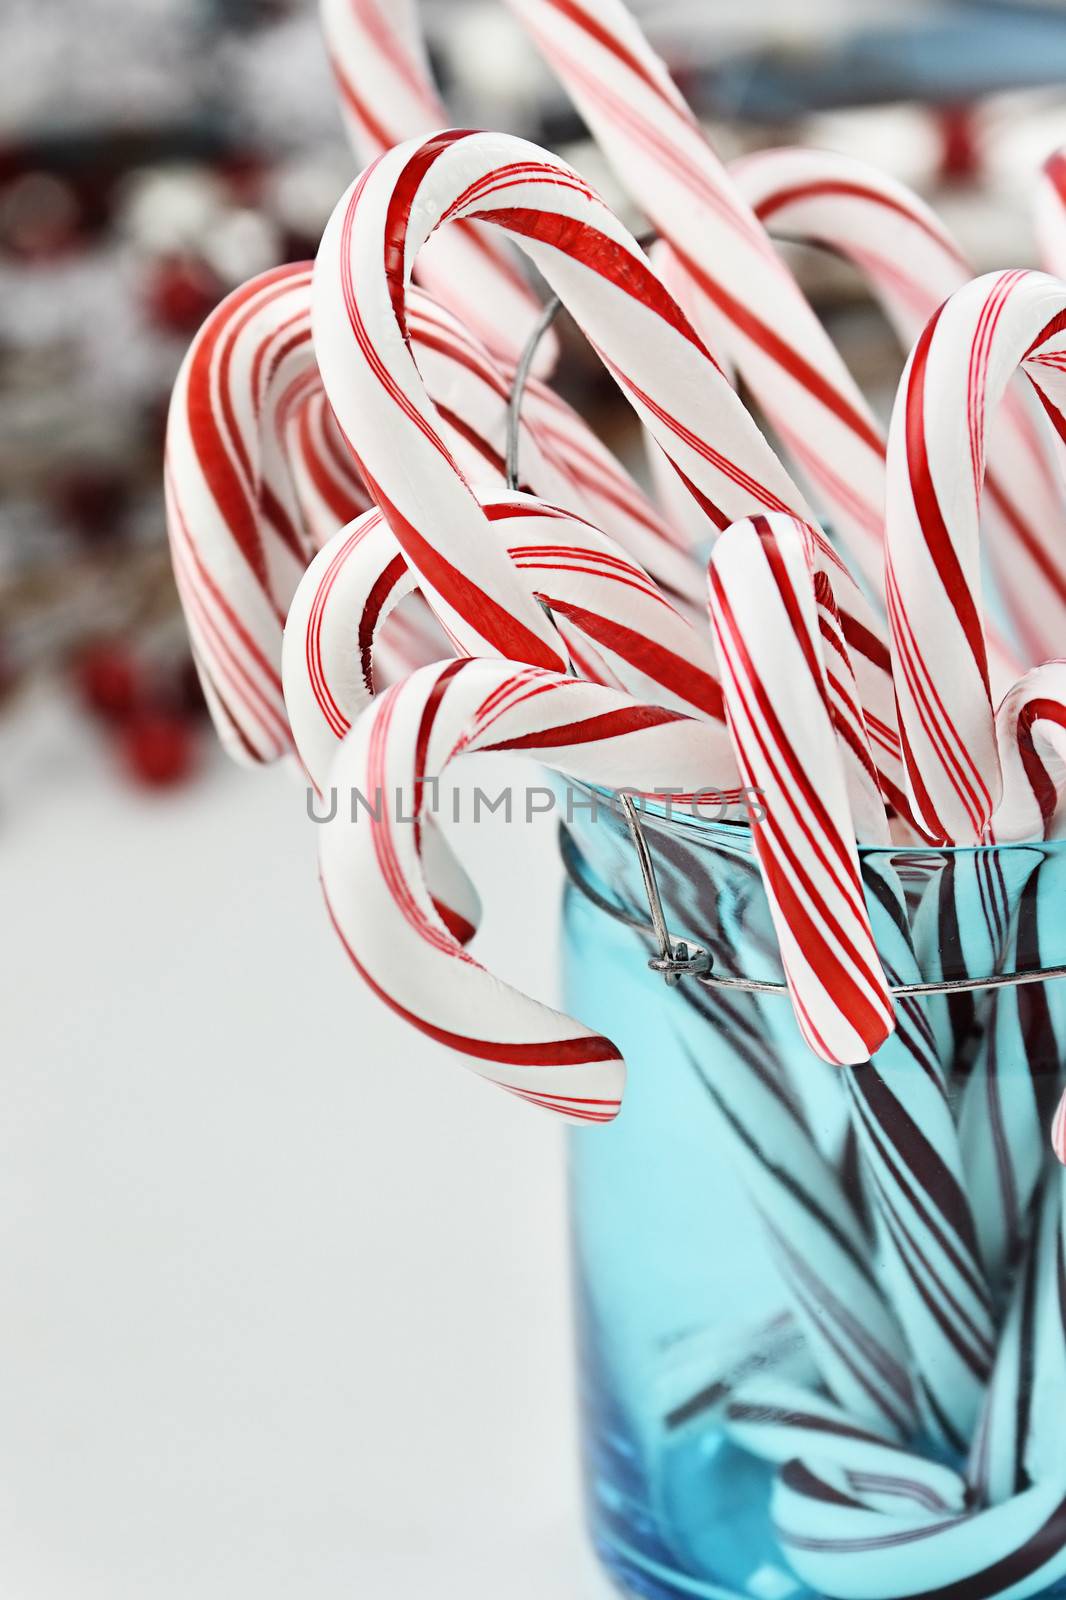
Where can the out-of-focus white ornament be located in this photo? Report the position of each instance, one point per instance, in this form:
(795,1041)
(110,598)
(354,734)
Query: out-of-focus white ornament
(239,244)
(170,211)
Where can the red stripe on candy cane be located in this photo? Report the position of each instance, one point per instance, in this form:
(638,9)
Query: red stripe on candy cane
(787,357)
(789,724)
(569,1052)
(928,505)
(603,255)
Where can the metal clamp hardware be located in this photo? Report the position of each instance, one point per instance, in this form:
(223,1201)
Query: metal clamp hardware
(675,960)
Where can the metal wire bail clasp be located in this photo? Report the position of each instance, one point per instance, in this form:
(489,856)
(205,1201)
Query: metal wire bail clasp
(675,960)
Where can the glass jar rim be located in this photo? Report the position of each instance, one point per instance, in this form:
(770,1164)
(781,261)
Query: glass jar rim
(981,917)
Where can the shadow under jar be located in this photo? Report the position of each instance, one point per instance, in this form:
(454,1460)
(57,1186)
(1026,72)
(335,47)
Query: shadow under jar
(822,1310)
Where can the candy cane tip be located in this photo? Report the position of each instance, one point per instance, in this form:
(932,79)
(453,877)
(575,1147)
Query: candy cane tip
(1058,1131)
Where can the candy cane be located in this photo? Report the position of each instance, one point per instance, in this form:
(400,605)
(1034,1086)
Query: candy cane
(840,1547)
(1007,1097)
(912,264)
(259,476)
(592,590)
(324,477)
(597,485)
(744,298)
(784,1422)
(864,1518)
(1016,1439)
(929,1248)
(915,1530)
(792,711)
(387,94)
(1031,740)
(1044,1375)
(792,708)
(360,282)
(373,879)
(814,1236)
(367,254)
(952,385)
(237,538)
(559,456)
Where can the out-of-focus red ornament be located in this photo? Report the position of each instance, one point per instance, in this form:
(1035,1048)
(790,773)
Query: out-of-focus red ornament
(92,499)
(960,155)
(244,173)
(109,681)
(39,217)
(8,676)
(181,290)
(159,748)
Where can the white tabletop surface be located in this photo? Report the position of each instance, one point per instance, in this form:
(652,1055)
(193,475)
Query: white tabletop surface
(285,1288)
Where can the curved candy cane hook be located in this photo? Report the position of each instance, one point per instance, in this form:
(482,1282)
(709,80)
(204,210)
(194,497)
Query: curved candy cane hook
(948,396)
(912,265)
(373,876)
(387,94)
(242,412)
(368,253)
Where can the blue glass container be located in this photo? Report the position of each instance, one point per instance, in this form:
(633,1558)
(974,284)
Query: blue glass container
(741,1228)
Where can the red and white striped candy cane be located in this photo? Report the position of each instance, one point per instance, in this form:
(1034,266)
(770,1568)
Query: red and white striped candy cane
(361,277)
(912,264)
(1031,738)
(596,267)
(259,476)
(372,873)
(324,477)
(618,626)
(744,299)
(599,486)
(798,731)
(387,94)
(952,385)
(1049,213)
(559,456)
(237,534)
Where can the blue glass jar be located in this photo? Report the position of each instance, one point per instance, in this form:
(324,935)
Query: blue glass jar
(822,1313)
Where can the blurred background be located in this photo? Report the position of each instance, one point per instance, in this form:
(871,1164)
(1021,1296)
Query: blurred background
(155,153)
(252,1340)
